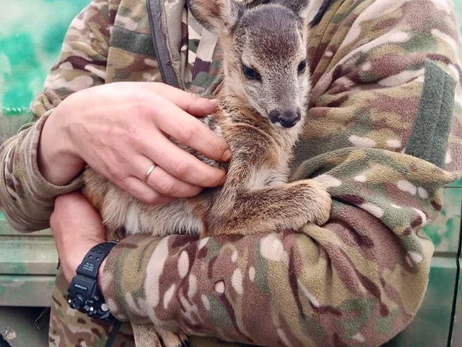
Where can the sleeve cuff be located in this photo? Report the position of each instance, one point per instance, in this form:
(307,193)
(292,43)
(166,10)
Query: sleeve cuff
(124,274)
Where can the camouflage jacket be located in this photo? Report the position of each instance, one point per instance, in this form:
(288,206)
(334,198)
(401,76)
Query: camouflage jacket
(383,134)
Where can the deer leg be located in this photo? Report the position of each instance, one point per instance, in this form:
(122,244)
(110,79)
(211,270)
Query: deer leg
(270,209)
(170,339)
(147,335)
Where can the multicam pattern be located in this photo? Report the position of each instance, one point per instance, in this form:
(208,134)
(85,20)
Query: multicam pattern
(70,328)
(356,281)
(202,74)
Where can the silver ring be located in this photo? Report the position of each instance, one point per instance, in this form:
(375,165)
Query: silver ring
(150,170)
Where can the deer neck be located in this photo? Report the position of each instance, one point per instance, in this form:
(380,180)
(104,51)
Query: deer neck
(236,110)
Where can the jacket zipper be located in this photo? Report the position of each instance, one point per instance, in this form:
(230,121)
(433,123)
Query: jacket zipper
(165,67)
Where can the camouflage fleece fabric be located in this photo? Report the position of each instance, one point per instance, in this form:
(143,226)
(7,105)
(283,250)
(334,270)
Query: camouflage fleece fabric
(383,134)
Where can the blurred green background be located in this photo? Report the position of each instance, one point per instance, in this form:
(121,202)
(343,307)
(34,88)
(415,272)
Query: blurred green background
(30,44)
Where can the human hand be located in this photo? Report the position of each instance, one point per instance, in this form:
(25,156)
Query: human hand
(121,129)
(76,227)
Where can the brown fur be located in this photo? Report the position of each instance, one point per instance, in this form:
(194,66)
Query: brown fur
(270,38)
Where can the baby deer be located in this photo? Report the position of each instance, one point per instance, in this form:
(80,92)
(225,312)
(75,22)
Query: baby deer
(261,110)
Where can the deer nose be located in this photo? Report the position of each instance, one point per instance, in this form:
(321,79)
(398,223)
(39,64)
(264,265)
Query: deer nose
(287,119)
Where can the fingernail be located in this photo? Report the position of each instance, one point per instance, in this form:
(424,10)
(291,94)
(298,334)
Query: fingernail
(226,156)
(223,180)
(213,103)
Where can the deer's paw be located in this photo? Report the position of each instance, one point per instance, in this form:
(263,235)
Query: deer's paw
(319,202)
(170,339)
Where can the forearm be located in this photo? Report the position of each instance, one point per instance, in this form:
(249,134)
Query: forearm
(300,289)
(26,197)
(77,228)
(58,161)
(266,288)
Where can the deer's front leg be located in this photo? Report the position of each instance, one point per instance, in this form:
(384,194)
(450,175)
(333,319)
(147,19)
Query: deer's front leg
(147,335)
(270,209)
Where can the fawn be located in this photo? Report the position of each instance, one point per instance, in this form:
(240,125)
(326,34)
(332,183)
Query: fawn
(261,110)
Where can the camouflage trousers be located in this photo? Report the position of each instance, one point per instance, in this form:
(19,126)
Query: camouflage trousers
(69,327)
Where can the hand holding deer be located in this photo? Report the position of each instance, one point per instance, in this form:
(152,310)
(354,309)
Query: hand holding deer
(124,131)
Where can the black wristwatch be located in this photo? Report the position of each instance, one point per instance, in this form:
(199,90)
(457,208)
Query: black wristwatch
(84,294)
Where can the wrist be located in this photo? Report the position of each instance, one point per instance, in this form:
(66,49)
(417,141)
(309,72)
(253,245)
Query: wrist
(74,258)
(58,160)
(84,293)
(100,274)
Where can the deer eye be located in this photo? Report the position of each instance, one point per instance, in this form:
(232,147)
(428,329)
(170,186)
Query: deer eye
(250,73)
(301,67)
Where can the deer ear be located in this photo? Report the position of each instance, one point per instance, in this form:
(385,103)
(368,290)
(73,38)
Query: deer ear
(215,15)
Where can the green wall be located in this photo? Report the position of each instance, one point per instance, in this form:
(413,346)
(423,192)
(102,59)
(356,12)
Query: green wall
(31,34)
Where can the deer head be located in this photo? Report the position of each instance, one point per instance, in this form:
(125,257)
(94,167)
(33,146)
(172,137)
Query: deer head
(264,43)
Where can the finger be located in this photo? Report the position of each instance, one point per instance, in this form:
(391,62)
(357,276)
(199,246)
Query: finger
(141,191)
(164,183)
(168,185)
(180,164)
(188,102)
(192,132)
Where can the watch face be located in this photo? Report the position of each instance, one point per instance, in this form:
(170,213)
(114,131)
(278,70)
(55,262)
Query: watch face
(80,286)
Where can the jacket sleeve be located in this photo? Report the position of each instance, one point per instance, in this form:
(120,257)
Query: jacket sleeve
(26,198)
(383,134)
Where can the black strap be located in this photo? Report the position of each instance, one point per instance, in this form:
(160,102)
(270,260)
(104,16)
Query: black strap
(92,261)
(113,335)
(322,10)
(3,342)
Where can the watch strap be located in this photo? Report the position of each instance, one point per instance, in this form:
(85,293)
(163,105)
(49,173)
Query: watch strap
(94,258)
